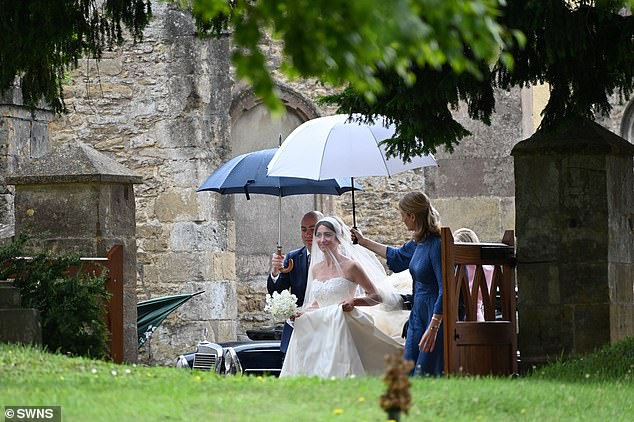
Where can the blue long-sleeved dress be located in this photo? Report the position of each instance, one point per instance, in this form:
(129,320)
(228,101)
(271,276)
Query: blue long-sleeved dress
(425,265)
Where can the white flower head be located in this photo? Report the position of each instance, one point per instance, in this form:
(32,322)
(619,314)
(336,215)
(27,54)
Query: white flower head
(281,305)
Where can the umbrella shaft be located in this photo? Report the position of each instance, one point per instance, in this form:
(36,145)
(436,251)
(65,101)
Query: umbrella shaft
(354,217)
(279,220)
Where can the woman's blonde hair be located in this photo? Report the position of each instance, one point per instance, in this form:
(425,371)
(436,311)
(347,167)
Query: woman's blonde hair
(427,218)
(466,235)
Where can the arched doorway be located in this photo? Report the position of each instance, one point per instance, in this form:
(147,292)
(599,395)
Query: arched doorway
(256,220)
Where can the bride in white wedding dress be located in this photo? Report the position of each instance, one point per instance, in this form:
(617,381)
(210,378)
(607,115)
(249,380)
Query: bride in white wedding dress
(332,337)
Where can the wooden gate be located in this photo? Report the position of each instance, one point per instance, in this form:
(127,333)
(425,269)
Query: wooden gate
(479,347)
(113,263)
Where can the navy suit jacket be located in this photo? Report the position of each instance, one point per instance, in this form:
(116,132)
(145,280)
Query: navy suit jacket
(296,281)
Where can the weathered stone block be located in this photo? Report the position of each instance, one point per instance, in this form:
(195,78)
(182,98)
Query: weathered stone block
(507,215)
(58,245)
(9,295)
(56,209)
(581,241)
(620,279)
(250,300)
(224,266)
(473,176)
(20,325)
(482,213)
(159,245)
(537,194)
(584,283)
(538,284)
(177,267)
(119,91)
(176,205)
(251,266)
(546,333)
(224,330)
(173,338)
(621,317)
(218,302)
(186,236)
(591,327)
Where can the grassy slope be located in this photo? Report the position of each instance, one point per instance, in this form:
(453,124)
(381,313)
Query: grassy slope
(598,387)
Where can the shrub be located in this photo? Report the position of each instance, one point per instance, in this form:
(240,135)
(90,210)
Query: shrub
(71,303)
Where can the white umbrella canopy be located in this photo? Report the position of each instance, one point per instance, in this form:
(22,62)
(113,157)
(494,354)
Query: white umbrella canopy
(337,146)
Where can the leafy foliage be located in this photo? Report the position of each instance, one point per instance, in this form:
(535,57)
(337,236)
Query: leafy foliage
(354,41)
(421,111)
(410,60)
(42,39)
(583,49)
(72,306)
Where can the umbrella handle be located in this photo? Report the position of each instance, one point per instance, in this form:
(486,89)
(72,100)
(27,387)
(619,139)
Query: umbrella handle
(290,262)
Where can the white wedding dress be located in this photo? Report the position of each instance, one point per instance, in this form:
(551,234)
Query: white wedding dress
(328,342)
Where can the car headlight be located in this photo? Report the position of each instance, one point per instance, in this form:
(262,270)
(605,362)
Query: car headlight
(232,362)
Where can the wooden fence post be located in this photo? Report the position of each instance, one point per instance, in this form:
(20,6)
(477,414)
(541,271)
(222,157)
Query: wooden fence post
(114,285)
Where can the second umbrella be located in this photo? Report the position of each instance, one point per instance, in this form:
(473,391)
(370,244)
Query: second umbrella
(341,146)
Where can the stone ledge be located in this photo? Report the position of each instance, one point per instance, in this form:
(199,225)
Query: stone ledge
(73,163)
(9,295)
(20,326)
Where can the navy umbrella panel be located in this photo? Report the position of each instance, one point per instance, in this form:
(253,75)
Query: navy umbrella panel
(151,313)
(246,174)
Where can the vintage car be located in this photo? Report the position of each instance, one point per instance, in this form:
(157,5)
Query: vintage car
(258,356)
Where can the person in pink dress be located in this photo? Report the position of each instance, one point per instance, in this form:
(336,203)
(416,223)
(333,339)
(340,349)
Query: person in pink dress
(466,235)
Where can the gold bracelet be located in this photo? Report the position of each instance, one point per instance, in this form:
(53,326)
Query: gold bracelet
(434,327)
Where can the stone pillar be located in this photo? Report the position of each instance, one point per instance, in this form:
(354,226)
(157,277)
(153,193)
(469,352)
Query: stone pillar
(17,324)
(23,135)
(83,202)
(575,229)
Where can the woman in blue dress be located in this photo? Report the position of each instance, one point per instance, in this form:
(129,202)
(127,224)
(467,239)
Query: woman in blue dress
(422,256)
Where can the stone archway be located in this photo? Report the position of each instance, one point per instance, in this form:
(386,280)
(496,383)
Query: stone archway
(256,220)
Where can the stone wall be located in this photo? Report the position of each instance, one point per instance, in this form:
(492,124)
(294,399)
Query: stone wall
(23,135)
(161,108)
(575,241)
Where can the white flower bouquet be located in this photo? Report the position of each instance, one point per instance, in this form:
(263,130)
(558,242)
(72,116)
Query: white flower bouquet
(281,306)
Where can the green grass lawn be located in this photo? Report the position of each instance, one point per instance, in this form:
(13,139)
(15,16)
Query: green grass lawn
(599,387)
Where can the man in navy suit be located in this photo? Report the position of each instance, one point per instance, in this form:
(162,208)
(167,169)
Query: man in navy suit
(297,277)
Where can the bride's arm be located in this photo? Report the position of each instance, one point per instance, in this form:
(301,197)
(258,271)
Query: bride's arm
(371,298)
